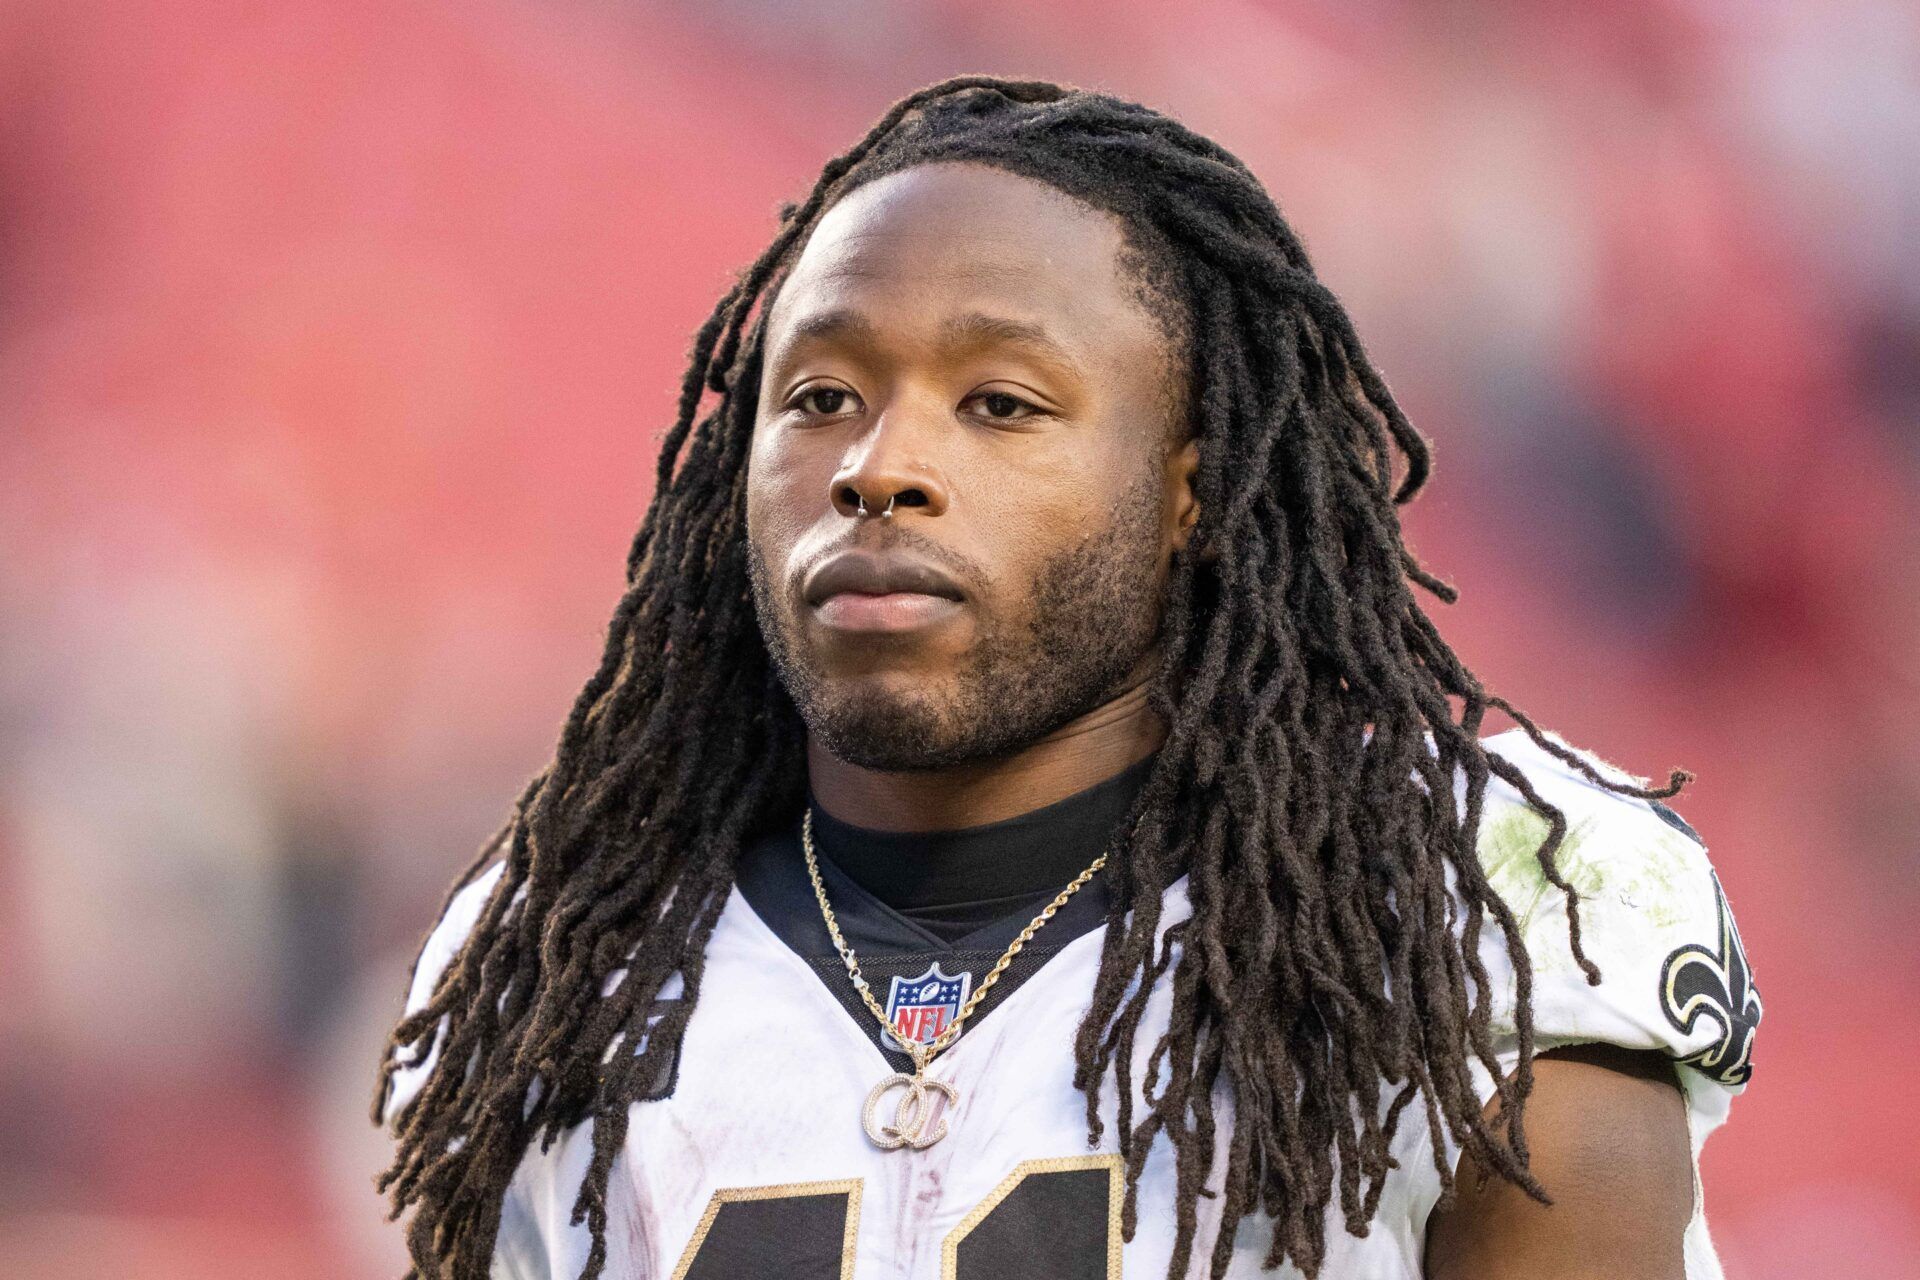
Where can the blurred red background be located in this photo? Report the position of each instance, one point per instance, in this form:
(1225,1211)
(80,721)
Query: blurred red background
(336,342)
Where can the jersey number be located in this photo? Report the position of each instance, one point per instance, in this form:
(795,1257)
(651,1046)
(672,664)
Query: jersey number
(1048,1220)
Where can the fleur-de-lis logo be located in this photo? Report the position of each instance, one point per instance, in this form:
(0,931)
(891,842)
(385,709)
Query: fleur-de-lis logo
(1697,983)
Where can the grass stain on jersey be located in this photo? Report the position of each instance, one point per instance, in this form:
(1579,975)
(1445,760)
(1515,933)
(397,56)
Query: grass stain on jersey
(1631,871)
(1628,864)
(1509,848)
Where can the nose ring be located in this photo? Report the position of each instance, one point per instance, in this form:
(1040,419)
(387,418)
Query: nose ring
(885,514)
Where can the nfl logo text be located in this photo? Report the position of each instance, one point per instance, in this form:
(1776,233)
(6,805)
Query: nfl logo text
(921,1008)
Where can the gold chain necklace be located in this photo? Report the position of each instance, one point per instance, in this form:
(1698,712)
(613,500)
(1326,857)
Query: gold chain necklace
(917,1107)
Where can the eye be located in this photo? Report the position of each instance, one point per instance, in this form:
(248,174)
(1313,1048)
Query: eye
(822,401)
(1002,406)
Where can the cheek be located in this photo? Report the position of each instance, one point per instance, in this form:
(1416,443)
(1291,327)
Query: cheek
(777,481)
(1079,492)
(1046,515)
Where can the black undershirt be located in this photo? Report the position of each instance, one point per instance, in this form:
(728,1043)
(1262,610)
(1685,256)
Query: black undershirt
(954,883)
(906,901)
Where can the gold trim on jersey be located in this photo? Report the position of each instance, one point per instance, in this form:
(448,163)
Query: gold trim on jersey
(781,1191)
(1116,1187)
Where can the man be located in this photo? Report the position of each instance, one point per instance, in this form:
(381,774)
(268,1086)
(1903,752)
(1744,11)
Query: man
(1020,826)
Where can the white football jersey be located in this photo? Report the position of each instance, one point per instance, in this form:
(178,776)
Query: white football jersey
(757,1163)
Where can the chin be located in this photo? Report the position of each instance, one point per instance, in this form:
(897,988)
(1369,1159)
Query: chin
(888,723)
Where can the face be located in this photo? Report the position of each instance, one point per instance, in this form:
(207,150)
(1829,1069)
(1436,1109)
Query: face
(961,346)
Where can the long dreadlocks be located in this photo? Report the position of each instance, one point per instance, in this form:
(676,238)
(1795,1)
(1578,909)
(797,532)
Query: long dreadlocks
(1304,786)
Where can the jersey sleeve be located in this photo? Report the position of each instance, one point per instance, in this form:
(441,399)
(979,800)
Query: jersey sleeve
(1654,920)
(442,944)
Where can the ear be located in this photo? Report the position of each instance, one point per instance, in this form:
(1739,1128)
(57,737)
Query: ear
(1182,507)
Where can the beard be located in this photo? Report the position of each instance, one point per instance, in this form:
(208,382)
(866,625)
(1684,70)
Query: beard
(1096,613)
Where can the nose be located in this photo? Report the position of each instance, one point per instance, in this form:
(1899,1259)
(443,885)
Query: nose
(889,465)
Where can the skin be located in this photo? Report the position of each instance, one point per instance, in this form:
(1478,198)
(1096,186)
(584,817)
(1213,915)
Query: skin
(1014,467)
(1608,1136)
(1052,486)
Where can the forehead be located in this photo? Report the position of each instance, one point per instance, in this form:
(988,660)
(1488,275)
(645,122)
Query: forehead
(953,237)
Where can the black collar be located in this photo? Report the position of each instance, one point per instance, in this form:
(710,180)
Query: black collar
(955,882)
(923,898)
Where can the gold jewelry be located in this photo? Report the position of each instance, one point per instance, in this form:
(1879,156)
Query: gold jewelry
(917,1107)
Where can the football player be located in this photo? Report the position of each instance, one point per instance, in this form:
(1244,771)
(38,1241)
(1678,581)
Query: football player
(1024,823)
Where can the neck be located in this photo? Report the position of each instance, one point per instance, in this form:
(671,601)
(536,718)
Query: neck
(1085,751)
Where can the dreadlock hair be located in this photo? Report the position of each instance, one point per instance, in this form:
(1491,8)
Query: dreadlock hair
(1305,786)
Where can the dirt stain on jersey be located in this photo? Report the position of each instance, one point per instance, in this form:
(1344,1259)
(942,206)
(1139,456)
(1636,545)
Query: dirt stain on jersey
(633,1208)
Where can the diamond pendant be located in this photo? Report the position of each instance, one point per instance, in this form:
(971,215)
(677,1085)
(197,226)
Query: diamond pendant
(919,1116)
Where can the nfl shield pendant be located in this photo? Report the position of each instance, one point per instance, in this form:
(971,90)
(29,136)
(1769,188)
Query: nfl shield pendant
(919,1009)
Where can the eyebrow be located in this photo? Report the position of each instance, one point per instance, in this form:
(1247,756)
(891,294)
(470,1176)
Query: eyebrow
(975,328)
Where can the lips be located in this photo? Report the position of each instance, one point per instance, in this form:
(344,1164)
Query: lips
(878,593)
(877,573)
